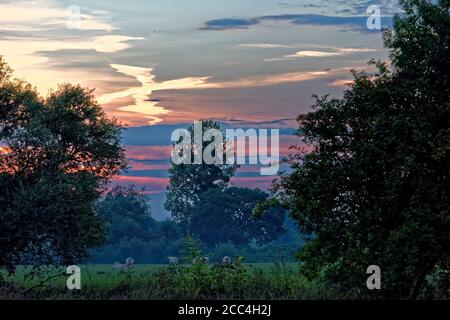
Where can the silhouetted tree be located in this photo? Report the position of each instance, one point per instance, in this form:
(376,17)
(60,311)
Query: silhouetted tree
(55,156)
(375,191)
(188,181)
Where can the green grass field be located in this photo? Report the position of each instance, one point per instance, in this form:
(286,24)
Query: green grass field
(99,275)
(154,281)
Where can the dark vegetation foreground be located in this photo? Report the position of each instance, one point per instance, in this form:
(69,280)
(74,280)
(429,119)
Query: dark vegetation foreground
(198,281)
(266,281)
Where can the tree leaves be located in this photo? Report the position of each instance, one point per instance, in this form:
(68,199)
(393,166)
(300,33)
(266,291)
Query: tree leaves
(375,189)
(61,151)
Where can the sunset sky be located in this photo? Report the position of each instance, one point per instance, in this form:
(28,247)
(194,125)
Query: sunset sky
(159,65)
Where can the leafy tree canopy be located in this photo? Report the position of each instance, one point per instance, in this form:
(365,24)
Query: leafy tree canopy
(188,181)
(56,153)
(375,191)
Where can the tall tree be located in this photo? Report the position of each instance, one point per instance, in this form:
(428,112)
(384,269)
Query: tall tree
(188,181)
(56,154)
(375,191)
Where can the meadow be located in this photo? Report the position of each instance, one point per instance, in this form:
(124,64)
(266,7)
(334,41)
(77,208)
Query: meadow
(194,281)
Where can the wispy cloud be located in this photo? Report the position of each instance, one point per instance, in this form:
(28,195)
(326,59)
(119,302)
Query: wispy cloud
(357,23)
(31,52)
(314,54)
(224,24)
(274,79)
(142,166)
(143,105)
(41,15)
(263,45)
(148,152)
(103,44)
(322,54)
(152,110)
(25,55)
(355,50)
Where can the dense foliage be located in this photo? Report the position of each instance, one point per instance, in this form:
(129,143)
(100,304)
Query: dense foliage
(375,191)
(201,201)
(188,181)
(226,215)
(132,232)
(55,156)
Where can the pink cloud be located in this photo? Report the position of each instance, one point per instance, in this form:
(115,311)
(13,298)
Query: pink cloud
(148,152)
(138,166)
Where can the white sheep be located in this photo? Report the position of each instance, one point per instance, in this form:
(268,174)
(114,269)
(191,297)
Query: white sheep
(204,260)
(129,263)
(173,260)
(226,260)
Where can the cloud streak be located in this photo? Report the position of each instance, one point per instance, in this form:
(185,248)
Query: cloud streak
(151,109)
(37,32)
(263,45)
(322,54)
(143,105)
(357,23)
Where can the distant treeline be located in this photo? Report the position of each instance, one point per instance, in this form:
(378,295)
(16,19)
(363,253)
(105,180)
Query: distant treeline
(134,233)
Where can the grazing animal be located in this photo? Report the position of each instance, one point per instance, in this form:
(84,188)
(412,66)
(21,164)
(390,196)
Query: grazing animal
(204,260)
(173,260)
(226,260)
(129,263)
